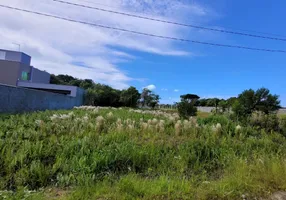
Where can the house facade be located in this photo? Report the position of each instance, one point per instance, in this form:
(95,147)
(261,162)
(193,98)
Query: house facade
(16,70)
(16,67)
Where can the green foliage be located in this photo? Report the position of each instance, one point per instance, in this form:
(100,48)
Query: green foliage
(90,97)
(85,84)
(261,120)
(69,80)
(190,97)
(215,102)
(215,119)
(202,102)
(148,98)
(104,95)
(224,105)
(65,80)
(130,97)
(282,124)
(231,101)
(108,153)
(186,108)
(55,80)
(238,109)
(260,100)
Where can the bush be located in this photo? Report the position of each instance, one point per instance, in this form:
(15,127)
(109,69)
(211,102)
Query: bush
(215,119)
(260,100)
(135,154)
(282,125)
(186,109)
(268,122)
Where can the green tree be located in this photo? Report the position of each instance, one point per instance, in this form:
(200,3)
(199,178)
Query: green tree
(260,100)
(102,95)
(76,82)
(66,79)
(154,100)
(55,80)
(148,98)
(90,97)
(212,102)
(216,104)
(130,97)
(223,105)
(69,80)
(186,107)
(86,83)
(231,101)
(201,102)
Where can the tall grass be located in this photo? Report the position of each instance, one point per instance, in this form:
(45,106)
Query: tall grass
(96,153)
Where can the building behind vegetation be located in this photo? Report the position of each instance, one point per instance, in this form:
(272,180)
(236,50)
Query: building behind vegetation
(18,79)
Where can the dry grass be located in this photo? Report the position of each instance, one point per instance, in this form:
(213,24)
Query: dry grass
(99,153)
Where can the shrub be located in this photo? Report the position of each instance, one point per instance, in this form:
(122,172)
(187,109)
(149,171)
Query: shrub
(135,154)
(282,125)
(186,109)
(268,122)
(215,119)
(250,101)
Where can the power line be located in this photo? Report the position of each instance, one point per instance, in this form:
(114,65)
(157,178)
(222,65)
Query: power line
(171,22)
(259,32)
(237,29)
(145,34)
(101,4)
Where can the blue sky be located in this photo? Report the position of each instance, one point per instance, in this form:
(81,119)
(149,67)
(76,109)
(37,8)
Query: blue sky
(172,68)
(223,72)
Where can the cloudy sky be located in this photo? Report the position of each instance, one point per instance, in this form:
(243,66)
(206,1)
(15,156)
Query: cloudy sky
(170,68)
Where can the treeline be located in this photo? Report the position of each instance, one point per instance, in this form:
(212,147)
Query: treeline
(209,102)
(69,80)
(103,95)
(243,106)
(214,102)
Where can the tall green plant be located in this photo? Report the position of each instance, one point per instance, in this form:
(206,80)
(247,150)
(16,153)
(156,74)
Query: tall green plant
(186,107)
(149,98)
(260,100)
(130,97)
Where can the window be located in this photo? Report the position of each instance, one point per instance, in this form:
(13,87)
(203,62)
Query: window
(25,76)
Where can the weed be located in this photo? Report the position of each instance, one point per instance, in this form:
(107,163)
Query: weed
(107,153)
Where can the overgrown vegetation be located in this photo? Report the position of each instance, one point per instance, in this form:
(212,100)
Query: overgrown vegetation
(215,102)
(99,153)
(103,95)
(148,98)
(114,153)
(260,100)
(186,108)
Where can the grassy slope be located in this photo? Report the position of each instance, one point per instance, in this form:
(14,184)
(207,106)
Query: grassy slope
(83,157)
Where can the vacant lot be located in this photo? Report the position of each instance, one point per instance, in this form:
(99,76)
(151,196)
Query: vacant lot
(96,153)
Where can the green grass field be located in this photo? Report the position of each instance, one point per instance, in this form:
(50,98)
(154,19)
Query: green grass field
(92,153)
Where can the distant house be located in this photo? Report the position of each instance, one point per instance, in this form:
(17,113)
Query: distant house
(16,70)
(16,67)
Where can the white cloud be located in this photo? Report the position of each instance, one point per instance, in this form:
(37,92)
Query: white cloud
(164,89)
(151,87)
(176,90)
(89,52)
